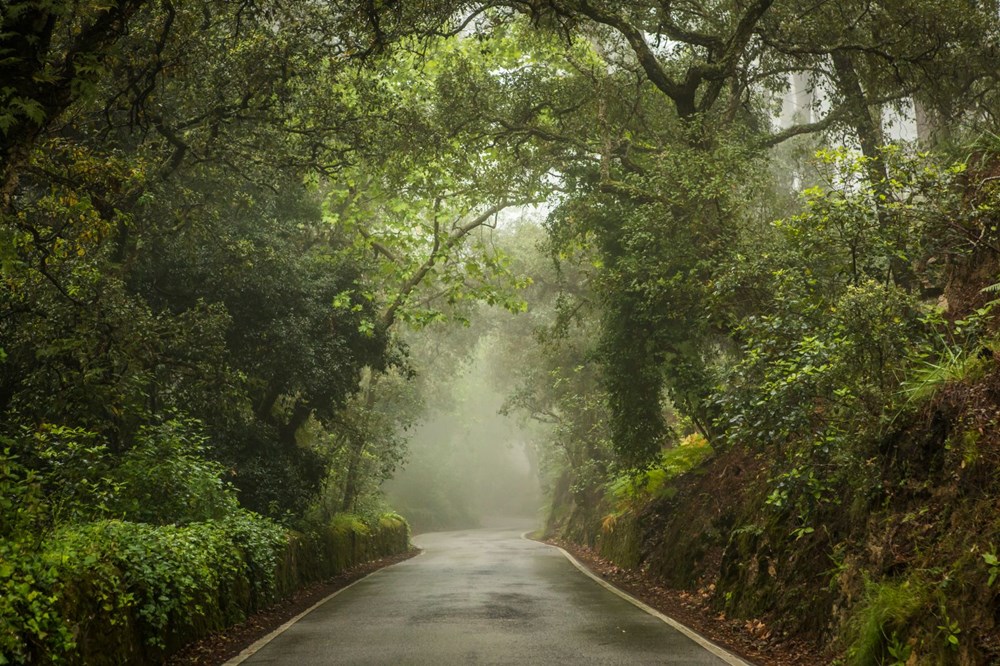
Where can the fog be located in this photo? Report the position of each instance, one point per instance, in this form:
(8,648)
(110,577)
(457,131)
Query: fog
(467,465)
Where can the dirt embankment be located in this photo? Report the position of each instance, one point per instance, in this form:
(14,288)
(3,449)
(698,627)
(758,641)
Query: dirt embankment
(894,565)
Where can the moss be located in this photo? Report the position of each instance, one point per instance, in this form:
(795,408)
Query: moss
(347,523)
(747,572)
(655,482)
(621,540)
(970,447)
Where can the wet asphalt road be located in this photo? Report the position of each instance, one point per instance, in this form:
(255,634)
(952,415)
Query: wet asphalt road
(480,597)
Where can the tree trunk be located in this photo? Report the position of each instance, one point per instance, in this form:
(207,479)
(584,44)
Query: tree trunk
(351,482)
(352,485)
(867,125)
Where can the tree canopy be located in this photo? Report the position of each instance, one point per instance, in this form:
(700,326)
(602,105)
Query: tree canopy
(220,223)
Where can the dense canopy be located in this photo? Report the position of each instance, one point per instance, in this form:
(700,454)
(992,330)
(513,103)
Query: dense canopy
(237,239)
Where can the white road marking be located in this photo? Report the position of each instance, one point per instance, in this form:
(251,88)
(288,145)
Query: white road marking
(260,643)
(717,650)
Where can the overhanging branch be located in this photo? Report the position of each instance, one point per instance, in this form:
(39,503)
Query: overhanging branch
(441,246)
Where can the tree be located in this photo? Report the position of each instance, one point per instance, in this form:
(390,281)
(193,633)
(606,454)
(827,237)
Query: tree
(163,251)
(678,128)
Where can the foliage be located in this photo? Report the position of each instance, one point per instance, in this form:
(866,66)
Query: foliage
(113,591)
(958,351)
(546,360)
(993,565)
(636,489)
(67,478)
(53,566)
(950,631)
(168,573)
(886,610)
(214,215)
(29,625)
(955,365)
(166,479)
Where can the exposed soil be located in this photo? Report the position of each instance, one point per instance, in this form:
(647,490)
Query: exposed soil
(221,646)
(753,640)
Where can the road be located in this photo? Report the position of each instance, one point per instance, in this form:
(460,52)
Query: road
(480,597)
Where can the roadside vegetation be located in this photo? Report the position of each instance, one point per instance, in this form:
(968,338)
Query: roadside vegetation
(736,263)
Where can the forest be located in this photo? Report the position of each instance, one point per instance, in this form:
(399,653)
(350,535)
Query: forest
(728,269)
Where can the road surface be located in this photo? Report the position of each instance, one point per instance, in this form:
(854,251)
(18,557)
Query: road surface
(480,597)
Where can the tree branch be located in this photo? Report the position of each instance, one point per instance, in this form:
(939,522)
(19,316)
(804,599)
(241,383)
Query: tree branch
(681,95)
(377,246)
(440,246)
(836,115)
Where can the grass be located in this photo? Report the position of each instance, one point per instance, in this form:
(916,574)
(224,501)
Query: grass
(955,366)
(879,619)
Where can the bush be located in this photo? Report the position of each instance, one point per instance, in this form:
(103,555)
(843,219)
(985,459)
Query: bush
(112,592)
(31,629)
(29,626)
(124,591)
(133,591)
(166,478)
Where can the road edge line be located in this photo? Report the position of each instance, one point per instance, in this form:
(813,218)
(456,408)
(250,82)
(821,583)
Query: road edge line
(717,650)
(258,644)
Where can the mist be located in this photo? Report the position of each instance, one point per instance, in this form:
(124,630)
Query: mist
(467,465)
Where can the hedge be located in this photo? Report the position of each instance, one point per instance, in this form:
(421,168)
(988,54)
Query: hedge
(117,592)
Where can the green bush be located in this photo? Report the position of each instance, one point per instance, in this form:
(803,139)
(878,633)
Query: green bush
(107,590)
(74,466)
(31,628)
(133,589)
(167,479)
(261,542)
(111,591)
(29,625)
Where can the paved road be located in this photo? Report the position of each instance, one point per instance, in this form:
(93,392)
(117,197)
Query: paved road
(480,597)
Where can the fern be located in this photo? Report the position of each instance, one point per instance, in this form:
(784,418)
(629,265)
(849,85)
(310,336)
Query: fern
(991,289)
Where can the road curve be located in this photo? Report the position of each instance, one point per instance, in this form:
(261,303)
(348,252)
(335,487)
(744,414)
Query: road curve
(480,597)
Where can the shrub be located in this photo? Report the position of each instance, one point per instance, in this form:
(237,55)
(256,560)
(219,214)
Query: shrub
(29,626)
(111,591)
(31,629)
(166,478)
(115,591)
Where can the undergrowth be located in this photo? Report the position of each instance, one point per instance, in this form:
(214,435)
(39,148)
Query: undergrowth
(111,590)
(654,481)
(876,633)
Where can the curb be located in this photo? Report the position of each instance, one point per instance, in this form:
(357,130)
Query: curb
(717,650)
(254,647)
